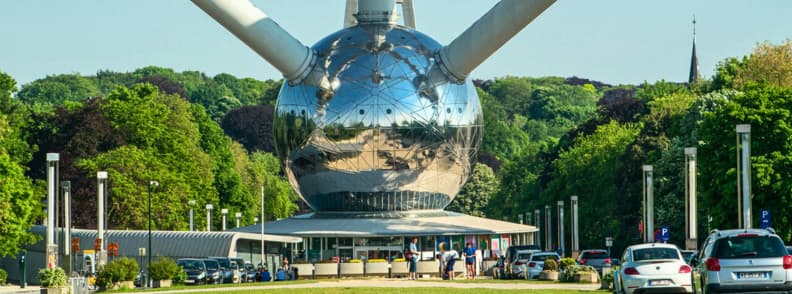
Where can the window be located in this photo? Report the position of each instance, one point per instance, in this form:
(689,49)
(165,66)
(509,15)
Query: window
(749,246)
(655,253)
(594,255)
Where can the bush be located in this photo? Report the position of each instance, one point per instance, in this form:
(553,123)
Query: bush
(52,277)
(566,262)
(130,268)
(180,277)
(550,264)
(608,276)
(571,271)
(3,277)
(124,269)
(163,269)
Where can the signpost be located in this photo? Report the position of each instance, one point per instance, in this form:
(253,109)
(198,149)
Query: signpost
(764,219)
(609,244)
(664,234)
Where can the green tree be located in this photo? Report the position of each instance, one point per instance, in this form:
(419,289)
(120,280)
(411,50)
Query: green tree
(56,89)
(475,194)
(19,208)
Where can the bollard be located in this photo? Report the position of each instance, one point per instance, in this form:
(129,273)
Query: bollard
(23,271)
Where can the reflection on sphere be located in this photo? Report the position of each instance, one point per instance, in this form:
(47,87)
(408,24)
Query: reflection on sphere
(388,135)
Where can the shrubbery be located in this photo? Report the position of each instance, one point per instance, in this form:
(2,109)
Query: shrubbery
(3,277)
(550,264)
(571,271)
(124,269)
(52,277)
(566,262)
(164,269)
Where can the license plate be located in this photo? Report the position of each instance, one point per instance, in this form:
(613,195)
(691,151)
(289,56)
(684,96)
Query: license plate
(189,281)
(659,282)
(754,275)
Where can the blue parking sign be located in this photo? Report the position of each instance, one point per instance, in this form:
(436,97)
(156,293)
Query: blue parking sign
(764,217)
(665,232)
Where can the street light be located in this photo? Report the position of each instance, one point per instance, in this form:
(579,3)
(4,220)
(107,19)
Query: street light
(192,223)
(52,186)
(224,211)
(744,176)
(209,208)
(238,216)
(151,186)
(648,184)
(66,186)
(561,226)
(690,198)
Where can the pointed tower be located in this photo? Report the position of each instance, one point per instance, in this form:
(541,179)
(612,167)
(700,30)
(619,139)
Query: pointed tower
(695,74)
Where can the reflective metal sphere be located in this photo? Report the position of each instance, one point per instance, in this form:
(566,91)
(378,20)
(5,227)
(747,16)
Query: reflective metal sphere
(388,135)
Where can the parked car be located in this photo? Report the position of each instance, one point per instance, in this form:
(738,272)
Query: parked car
(195,270)
(242,271)
(214,271)
(512,251)
(688,255)
(653,268)
(250,272)
(236,276)
(596,258)
(789,249)
(514,269)
(744,260)
(225,265)
(535,263)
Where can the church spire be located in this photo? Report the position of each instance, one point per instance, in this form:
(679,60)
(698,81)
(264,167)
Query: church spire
(695,74)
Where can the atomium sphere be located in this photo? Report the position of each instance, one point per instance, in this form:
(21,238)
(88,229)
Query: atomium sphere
(389,135)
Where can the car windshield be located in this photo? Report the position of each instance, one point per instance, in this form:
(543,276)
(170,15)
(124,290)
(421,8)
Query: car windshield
(211,265)
(750,246)
(191,264)
(224,263)
(523,256)
(594,254)
(655,254)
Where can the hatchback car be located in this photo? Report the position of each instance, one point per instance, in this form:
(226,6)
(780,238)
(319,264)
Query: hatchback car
(596,258)
(214,271)
(515,268)
(195,270)
(653,268)
(535,263)
(744,261)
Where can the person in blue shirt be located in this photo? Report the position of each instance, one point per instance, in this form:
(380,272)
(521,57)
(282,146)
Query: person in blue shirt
(412,257)
(470,260)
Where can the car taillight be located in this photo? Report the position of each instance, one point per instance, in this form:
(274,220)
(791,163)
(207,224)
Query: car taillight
(582,261)
(713,264)
(684,269)
(631,271)
(787,261)
(532,264)
(518,263)
(608,261)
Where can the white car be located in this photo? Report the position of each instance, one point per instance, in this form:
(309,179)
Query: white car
(534,264)
(653,268)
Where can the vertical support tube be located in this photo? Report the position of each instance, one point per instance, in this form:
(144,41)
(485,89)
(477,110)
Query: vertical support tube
(224,212)
(744,166)
(538,224)
(52,249)
(561,242)
(66,186)
(262,225)
(192,216)
(529,221)
(101,181)
(238,216)
(548,235)
(648,183)
(691,225)
(575,229)
(209,208)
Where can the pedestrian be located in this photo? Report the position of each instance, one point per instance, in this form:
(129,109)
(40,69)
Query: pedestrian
(412,256)
(470,260)
(449,259)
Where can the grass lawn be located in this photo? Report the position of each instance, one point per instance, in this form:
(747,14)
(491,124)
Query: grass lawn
(340,290)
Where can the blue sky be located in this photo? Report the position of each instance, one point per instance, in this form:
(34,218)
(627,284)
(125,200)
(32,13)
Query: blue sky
(613,41)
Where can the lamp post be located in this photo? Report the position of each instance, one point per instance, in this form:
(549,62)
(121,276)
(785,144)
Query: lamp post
(238,216)
(548,236)
(209,208)
(744,177)
(538,224)
(101,185)
(224,211)
(648,203)
(263,219)
(690,199)
(575,233)
(52,186)
(66,187)
(561,226)
(192,222)
(151,186)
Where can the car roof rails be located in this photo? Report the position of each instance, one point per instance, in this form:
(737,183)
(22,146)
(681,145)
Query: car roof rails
(715,231)
(771,230)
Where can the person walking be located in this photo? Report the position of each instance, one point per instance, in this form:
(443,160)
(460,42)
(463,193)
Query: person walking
(412,257)
(470,260)
(449,259)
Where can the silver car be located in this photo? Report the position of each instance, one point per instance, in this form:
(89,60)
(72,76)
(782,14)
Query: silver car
(653,268)
(744,261)
(535,263)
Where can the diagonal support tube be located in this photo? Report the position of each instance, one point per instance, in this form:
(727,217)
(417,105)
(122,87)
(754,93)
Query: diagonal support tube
(487,34)
(263,35)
